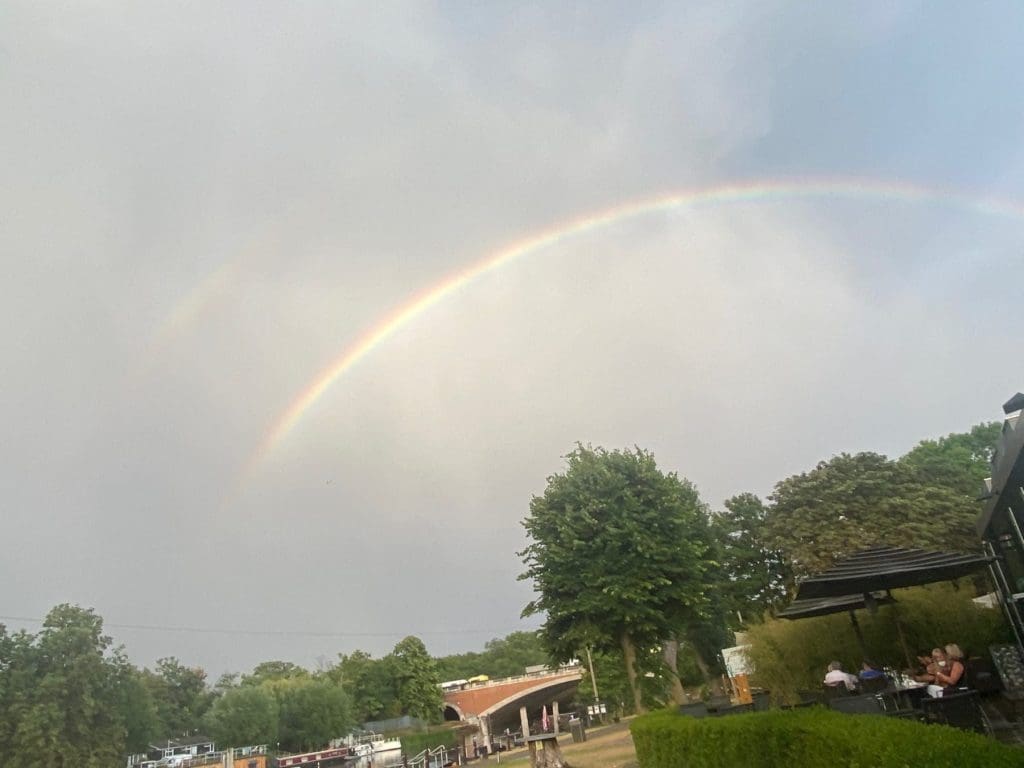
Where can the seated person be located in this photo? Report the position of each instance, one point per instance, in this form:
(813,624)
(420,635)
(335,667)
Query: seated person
(932,665)
(836,677)
(949,673)
(869,671)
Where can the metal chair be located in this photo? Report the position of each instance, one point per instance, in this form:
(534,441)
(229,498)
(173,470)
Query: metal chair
(958,710)
(857,705)
(874,684)
(980,675)
(832,692)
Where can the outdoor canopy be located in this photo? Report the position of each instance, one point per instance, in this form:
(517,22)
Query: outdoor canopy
(883,568)
(805,609)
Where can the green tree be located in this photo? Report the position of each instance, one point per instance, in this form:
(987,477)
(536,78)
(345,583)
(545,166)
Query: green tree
(180,694)
(854,501)
(502,657)
(59,694)
(755,575)
(512,654)
(460,666)
(613,557)
(369,683)
(312,712)
(274,670)
(138,710)
(243,716)
(416,680)
(960,461)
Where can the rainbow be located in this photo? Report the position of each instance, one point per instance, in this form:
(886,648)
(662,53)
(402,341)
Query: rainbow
(414,307)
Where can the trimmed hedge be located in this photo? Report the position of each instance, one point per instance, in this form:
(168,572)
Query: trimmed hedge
(811,738)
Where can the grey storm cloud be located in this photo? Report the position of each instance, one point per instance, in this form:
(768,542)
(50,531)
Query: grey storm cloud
(205,204)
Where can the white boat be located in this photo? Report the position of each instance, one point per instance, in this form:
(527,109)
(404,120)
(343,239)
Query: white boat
(372,745)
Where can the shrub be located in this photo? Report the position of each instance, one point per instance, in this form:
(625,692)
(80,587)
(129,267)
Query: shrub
(414,743)
(810,738)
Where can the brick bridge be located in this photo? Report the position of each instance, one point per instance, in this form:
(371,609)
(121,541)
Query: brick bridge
(494,705)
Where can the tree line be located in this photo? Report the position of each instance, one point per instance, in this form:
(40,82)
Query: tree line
(627,561)
(69,697)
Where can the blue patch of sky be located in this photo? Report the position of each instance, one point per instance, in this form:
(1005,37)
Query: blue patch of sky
(936,98)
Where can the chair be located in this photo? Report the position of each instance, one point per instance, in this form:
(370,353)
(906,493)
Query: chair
(831,692)
(874,684)
(857,705)
(980,675)
(958,710)
(697,709)
(814,697)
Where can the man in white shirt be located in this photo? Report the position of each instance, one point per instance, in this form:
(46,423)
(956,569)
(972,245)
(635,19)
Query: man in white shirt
(836,676)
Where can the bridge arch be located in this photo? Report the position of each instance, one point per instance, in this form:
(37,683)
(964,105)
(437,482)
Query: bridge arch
(515,700)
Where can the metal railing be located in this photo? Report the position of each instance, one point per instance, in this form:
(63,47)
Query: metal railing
(563,672)
(433,758)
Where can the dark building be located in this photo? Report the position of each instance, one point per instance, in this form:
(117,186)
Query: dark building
(1001,522)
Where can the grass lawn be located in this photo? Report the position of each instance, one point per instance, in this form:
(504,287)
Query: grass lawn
(608,746)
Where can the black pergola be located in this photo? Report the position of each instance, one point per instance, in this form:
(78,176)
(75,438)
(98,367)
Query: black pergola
(880,568)
(805,609)
(865,578)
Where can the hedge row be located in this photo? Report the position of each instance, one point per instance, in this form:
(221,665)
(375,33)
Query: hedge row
(811,738)
(414,743)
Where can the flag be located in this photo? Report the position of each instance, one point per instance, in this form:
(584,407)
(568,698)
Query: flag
(544,718)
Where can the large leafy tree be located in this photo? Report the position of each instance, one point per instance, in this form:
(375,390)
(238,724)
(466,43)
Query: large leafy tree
(181,695)
(511,655)
(369,683)
(459,666)
(960,461)
(417,683)
(312,712)
(613,555)
(138,710)
(243,716)
(755,575)
(59,694)
(855,501)
(501,657)
(273,670)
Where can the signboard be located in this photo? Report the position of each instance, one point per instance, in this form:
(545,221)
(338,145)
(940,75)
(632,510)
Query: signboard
(597,709)
(736,662)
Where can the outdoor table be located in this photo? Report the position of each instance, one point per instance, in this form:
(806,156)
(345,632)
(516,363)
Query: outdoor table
(908,693)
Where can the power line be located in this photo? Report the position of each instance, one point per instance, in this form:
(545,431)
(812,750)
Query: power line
(275,632)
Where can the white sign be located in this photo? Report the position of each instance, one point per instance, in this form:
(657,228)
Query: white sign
(736,661)
(597,709)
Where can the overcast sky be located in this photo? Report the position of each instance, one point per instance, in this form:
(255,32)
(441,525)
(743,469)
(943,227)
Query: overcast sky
(204,204)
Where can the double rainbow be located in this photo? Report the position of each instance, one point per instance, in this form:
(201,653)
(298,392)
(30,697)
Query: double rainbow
(730,194)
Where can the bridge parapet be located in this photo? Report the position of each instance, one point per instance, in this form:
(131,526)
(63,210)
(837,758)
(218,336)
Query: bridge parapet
(481,697)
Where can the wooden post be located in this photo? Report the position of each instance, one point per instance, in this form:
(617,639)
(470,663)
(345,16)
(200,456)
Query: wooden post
(554,714)
(548,755)
(525,721)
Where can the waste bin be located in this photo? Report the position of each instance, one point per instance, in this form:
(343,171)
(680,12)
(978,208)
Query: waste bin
(579,733)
